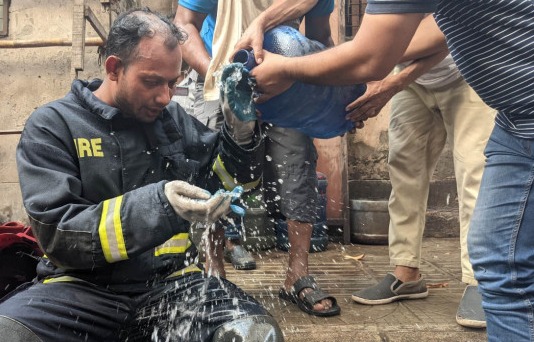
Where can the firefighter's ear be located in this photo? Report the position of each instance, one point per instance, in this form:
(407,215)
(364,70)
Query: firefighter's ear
(113,67)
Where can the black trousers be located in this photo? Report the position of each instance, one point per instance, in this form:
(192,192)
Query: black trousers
(186,308)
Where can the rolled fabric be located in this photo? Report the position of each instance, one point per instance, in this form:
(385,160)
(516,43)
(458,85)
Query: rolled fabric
(315,110)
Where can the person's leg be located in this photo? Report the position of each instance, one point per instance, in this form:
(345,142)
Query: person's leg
(290,184)
(469,123)
(234,252)
(194,307)
(299,236)
(500,238)
(207,112)
(65,311)
(213,241)
(184,94)
(210,114)
(416,139)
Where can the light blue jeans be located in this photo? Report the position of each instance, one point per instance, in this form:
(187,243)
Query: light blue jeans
(501,238)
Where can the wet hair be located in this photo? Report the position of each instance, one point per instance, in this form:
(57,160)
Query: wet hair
(131,26)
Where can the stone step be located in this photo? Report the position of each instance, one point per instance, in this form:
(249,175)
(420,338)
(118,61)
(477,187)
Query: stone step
(442,212)
(442,193)
(442,222)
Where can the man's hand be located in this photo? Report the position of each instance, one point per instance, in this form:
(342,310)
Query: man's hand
(195,204)
(269,78)
(371,103)
(252,38)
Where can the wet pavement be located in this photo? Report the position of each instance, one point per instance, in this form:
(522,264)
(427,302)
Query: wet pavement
(429,319)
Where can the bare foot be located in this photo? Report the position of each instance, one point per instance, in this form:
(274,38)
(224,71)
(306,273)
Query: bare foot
(299,235)
(323,305)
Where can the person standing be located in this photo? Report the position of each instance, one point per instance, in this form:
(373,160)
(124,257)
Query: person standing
(289,178)
(430,104)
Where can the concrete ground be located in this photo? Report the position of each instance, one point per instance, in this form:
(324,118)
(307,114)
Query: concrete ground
(430,319)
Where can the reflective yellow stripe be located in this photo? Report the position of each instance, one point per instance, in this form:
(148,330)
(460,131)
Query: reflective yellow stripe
(61,279)
(188,269)
(179,243)
(110,231)
(227,179)
(102,232)
(118,229)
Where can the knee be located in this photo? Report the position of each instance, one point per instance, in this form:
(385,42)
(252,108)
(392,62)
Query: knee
(15,331)
(254,328)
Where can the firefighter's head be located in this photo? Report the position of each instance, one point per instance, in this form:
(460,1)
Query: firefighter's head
(143,62)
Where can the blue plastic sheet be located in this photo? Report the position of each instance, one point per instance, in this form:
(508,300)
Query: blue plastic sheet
(317,111)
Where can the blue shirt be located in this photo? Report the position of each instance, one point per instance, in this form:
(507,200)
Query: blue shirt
(491,42)
(209,7)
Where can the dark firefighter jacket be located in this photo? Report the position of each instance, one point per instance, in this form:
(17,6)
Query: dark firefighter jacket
(93,181)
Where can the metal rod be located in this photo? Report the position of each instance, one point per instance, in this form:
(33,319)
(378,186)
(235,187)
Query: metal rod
(12,44)
(10,131)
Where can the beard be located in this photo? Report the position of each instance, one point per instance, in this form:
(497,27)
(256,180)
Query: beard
(128,110)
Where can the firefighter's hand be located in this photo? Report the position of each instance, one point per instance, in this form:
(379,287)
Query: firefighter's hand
(195,204)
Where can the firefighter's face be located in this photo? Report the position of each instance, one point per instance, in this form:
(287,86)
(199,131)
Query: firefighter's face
(147,84)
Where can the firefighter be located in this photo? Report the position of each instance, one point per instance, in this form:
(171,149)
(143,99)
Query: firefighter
(112,175)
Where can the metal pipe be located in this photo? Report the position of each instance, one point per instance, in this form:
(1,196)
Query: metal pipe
(12,44)
(10,131)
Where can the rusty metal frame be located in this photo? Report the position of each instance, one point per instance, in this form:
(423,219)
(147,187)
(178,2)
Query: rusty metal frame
(345,221)
(81,15)
(353,14)
(5,19)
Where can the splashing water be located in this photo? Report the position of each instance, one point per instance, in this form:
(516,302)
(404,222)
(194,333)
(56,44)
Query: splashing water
(236,88)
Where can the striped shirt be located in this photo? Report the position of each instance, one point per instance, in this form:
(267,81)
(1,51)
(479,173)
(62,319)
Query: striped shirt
(492,43)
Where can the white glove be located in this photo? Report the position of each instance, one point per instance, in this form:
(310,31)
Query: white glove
(195,204)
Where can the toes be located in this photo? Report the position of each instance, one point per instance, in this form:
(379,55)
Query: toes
(323,305)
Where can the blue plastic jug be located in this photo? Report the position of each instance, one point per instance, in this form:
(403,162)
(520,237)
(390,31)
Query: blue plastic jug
(317,111)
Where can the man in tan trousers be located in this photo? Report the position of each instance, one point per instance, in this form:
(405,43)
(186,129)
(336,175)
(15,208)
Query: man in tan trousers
(431,103)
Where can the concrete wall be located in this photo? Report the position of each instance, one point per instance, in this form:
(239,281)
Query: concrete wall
(31,77)
(368,152)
